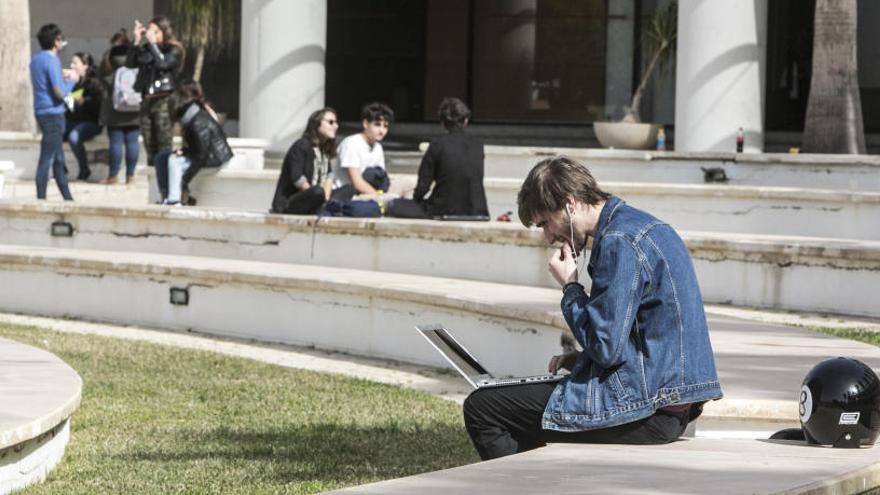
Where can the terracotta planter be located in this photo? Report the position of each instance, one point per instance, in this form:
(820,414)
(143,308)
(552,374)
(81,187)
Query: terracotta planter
(626,135)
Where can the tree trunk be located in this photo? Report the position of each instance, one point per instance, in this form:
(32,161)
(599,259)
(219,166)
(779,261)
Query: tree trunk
(16,98)
(199,63)
(634,112)
(834,108)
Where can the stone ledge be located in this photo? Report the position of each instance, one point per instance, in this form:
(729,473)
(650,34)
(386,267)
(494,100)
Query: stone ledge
(31,461)
(43,388)
(490,299)
(718,191)
(769,248)
(699,465)
(834,213)
(373,314)
(629,155)
(779,272)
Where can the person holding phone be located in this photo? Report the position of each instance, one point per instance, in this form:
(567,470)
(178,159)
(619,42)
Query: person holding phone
(158,56)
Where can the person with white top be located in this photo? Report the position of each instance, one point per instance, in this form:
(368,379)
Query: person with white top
(360,166)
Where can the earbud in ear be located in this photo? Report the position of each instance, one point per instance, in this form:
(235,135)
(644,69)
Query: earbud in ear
(568,209)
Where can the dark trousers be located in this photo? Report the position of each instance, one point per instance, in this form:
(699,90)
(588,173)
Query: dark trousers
(76,134)
(374,176)
(405,208)
(506,420)
(305,202)
(160,161)
(156,126)
(52,155)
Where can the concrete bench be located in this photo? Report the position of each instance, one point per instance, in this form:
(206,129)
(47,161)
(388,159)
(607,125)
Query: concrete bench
(783,272)
(847,172)
(697,466)
(5,168)
(24,149)
(512,329)
(741,209)
(719,208)
(40,393)
(355,311)
(821,171)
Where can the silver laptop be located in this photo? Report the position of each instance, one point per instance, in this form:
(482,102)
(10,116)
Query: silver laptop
(465,363)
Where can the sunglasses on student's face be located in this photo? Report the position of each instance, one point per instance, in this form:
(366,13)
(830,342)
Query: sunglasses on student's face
(330,121)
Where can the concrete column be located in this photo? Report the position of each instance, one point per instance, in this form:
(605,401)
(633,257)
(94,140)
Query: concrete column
(504,57)
(720,70)
(619,50)
(283,45)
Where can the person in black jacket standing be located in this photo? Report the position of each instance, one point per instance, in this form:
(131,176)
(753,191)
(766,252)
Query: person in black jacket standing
(158,59)
(204,142)
(453,164)
(304,184)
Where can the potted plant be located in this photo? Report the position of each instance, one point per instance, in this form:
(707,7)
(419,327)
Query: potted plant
(658,40)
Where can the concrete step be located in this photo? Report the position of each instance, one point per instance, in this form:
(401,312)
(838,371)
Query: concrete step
(781,272)
(40,393)
(23,149)
(720,208)
(511,329)
(698,466)
(821,171)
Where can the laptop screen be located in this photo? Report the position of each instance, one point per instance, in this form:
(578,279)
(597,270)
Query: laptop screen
(455,352)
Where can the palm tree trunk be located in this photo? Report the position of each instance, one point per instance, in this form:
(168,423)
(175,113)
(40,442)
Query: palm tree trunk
(16,98)
(834,108)
(633,115)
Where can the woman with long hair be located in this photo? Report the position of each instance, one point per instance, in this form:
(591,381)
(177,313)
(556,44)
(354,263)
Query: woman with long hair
(304,184)
(204,145)
(83,107)
(158,56)
(123,124)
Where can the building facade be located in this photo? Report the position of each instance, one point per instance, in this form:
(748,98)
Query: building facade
(533,71)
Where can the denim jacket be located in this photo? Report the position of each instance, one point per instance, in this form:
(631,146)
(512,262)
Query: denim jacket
(642,328)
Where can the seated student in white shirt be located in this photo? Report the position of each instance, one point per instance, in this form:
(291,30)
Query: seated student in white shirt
(360,164)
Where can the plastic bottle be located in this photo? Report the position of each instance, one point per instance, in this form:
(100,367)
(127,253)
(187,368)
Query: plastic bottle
(740,140)
(504,217)
(661,139)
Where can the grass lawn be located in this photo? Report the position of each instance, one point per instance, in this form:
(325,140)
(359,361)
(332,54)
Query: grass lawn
(157,419)
(857,334)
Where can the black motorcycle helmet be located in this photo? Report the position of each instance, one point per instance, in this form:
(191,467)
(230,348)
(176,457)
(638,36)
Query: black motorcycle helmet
(839,404)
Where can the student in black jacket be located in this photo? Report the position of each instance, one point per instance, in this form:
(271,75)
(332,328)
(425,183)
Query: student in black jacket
(204,145)
(84,104)
(453,164)
(304,184)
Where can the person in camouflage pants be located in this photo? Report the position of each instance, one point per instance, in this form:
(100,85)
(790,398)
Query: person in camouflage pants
(156,125)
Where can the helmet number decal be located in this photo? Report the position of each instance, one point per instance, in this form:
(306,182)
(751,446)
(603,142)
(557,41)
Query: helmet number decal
(805,407)
(849,418)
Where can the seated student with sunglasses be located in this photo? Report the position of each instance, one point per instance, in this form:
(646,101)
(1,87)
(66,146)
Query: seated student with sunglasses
(304,183)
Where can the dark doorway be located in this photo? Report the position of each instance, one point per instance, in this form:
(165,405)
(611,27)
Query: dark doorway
(376,52)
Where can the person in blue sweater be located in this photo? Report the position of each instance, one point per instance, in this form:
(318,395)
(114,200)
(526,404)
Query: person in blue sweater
(50,86)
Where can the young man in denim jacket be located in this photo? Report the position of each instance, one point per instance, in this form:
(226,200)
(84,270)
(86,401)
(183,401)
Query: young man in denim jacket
(646,365)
